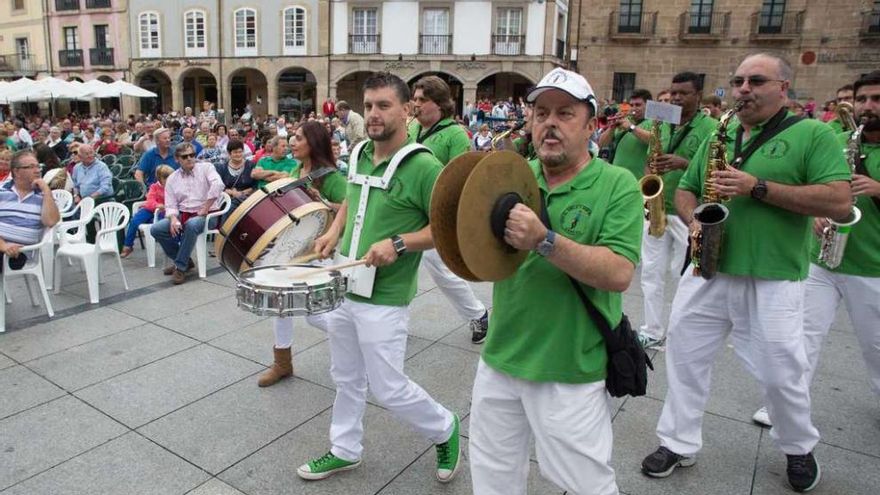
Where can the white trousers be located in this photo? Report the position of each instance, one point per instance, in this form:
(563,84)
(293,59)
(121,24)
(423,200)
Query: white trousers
(456,289)
(661,256)
(284,329)
(765,321)
(367,346)
(824,291)
(572,427)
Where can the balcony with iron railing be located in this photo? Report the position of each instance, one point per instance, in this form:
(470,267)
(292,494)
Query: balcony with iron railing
(560,49)
(870,29)
(635,27)
(70,58)
(508,44)
(703,27)
(97,4)
(61,5)
(363,44)
(435,44)
(786,26)
(18,64)
(101,56)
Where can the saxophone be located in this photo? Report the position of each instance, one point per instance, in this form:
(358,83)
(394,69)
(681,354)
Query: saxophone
(651,186)
(833,240)
(711,214)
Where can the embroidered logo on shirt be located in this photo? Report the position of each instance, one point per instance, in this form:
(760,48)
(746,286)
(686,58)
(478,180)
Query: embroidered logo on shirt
(574,219)
(775,148)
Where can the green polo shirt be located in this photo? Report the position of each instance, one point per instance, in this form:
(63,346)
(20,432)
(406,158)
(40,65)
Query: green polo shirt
(762,240)
(333,185)
(401,208)
(835,126)
(540,330)
(697,130)
(445,139)
(525,150)
(285,164)
(630,152)
(861,256)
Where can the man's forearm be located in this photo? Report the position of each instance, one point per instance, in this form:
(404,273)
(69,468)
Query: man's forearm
(830,200)
(420,240)
(596,266)
(685,203)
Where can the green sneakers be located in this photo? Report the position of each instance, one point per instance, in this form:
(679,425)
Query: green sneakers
(327,465)
(448,455)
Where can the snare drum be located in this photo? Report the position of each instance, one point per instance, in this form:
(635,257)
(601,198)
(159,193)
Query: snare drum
(271,227)
(289,290)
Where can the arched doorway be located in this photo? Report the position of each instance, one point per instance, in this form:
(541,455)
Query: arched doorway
(350,89)
(503,85)
(198,85)
(107,104)
(248,86)
(296,92)
(158,82)
(79,107)
(455,87)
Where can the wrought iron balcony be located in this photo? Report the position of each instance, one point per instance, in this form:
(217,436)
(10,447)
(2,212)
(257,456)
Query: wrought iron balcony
(70,58)
(508,44)
(101,56)
(870,25)
(786,26)
(696,27)
(66,5)
(97,4)
(14,64)
(623,26)
(435,44)
(363,43)
(560,49)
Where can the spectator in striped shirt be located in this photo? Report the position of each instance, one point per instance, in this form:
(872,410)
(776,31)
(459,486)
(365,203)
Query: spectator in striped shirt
(26,208)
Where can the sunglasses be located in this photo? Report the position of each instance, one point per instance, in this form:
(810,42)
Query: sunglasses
(865,98)
(186,156)
(754,81)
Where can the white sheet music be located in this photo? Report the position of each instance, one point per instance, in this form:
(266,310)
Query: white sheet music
(664,112)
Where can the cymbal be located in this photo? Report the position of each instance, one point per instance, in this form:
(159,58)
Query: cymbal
(498,177)
(444,211)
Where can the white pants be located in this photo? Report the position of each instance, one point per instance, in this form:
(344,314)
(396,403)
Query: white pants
(456,289)
(572,427)
(660,256)
(284,329)
(765,320)
(367,346)
(861,295)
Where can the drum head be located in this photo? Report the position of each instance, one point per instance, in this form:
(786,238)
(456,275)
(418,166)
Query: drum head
(286,276)
(292,239)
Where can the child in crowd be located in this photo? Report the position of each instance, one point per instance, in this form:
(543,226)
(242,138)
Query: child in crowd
(155,200)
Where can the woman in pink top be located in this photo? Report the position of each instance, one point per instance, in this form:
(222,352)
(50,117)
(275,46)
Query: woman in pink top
(155,200)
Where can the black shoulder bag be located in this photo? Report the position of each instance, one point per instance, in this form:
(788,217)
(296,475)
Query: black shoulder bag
(628,364)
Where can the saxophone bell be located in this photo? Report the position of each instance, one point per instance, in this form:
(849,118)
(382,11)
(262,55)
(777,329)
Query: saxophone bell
(707,239)
(651,187)
(834,237)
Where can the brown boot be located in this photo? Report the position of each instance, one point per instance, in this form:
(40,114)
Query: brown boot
(281,368)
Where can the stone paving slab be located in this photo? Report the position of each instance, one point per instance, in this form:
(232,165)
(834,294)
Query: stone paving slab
(218,431)
(175,298)
(214,487)
(40,438)
(60,334)
(211,320)
(6,362)
(256,341)
(432,317)
(23,389)
(147,393)
(98,360)
(127,465)
(447,374)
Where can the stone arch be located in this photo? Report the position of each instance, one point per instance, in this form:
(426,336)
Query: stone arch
(456,86)
(297,92)
(159,82)
(198,85)
(248,85)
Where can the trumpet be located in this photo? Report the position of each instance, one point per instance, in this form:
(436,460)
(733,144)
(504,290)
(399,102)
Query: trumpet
(503,141)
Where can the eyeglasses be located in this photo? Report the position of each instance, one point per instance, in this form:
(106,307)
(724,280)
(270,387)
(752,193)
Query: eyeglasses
(186,156)
(754,81)
(28,166)
(865,98)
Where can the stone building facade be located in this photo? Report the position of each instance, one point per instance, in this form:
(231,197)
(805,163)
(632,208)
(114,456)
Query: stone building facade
(626,44)
(23,48)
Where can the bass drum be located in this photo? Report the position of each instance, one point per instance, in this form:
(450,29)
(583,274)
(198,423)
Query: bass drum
(272,226)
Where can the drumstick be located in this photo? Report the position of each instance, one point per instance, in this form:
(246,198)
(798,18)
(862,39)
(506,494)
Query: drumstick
(339,267)
(304,259)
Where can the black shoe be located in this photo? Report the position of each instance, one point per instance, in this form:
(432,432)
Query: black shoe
(479,328)
(803,472)
(663,462)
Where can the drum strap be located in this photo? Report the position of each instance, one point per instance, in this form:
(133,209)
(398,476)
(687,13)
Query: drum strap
(368,182)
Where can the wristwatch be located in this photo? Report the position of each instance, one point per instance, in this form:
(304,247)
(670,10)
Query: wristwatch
(399,245)
(545,247)
(632,128)
(759,192)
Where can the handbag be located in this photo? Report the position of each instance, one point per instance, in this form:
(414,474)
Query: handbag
(628,363)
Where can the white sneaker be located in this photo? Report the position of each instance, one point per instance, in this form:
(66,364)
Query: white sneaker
(762,417)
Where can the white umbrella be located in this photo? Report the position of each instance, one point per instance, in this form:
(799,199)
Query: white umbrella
(13,87)
(128,89)
(49,88)
(96,88)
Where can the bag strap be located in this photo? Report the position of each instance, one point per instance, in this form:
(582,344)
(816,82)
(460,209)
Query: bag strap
(595,315)
(776,126)
(862,170)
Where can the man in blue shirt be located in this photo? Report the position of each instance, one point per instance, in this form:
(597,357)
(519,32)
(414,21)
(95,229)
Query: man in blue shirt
(161,154)
(188,134)
(91,177)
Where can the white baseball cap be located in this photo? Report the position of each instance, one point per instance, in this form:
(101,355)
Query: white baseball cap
(570,82)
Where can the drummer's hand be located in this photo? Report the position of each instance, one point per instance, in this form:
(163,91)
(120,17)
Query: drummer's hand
(381,253)
(325,244)
(313,193)
(524,229)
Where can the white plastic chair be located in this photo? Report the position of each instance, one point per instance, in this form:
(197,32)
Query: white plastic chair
(110,217)
(85,208)
(33,268)
(201,250)
(64,201)
(149,240)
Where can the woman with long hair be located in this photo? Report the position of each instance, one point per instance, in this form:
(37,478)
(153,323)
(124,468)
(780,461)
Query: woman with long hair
(310,146)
